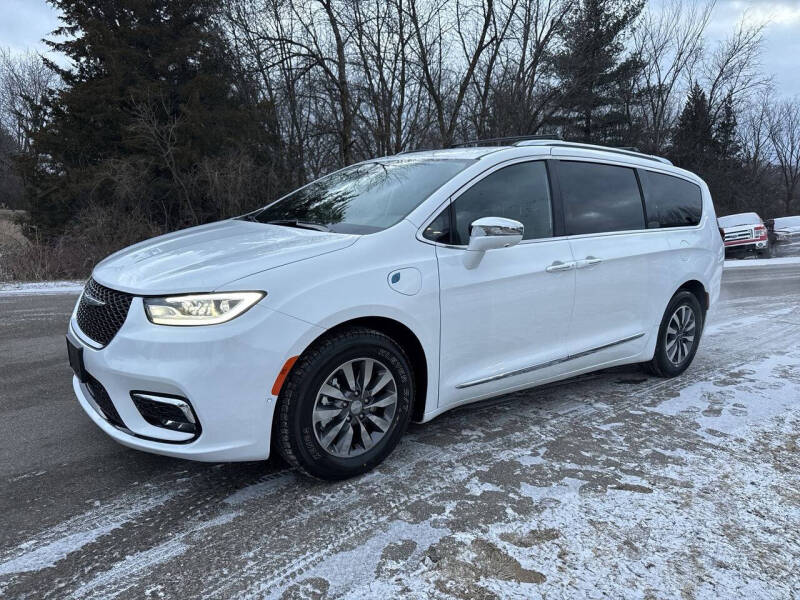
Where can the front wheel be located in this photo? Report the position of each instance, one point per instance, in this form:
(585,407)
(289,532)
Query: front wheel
(345,405)
(678,336)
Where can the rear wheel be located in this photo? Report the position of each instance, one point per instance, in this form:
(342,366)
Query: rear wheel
(345,405)
(678,336)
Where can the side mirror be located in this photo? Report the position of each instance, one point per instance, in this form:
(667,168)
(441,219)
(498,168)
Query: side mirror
(490,233)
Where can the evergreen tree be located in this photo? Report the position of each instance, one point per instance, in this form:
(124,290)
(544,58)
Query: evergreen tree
(149,93)
(10,185)
(693,144)
(594,74)
(709,147)
(725,131)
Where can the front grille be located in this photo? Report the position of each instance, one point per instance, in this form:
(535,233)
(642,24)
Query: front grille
(738,235)
(102,312)
(103,400)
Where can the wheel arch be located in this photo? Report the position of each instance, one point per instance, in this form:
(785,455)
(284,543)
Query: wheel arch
(699,290)
(693,286)
(406,338)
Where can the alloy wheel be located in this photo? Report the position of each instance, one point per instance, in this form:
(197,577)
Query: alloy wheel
(354,407)
(680,334)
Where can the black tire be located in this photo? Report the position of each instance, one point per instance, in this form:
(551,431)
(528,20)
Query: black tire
(294,426)
(661,365)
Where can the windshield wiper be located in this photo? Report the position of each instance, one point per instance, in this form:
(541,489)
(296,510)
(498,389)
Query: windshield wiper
(299,224)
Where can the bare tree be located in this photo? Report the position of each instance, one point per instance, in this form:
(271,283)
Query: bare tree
(483,77)
(753,136)
(388,107)
(733,70)
(784,135)
(446,78)
(24,80)
(156,129)
(523,92)
(669,44)
(260,32)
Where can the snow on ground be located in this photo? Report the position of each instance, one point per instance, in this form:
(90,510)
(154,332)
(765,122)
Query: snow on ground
(610,485)
(41,287)
(761,262)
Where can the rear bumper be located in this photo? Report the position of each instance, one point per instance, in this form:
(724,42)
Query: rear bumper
(225,371)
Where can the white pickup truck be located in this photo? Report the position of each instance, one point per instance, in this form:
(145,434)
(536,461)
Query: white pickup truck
(744,232)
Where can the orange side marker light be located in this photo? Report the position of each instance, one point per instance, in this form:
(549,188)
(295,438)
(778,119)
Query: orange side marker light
(276,387)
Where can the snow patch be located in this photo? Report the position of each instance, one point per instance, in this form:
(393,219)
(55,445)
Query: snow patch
(476,488)
(270,484)
(762,262)
(568,487)
(56,543)
(41,287)
(719,406)
(351,573)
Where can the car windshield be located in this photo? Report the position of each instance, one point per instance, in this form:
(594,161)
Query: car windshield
(364,198)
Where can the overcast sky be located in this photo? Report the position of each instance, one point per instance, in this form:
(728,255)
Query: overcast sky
(23,23)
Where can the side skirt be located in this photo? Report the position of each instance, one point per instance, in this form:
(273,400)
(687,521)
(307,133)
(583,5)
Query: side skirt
(549,363)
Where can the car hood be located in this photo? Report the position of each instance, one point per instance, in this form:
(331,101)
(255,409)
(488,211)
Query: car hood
(206,257)
(735,228)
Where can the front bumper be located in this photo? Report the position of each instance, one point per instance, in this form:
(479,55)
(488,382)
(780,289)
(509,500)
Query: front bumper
(225,371)
(746,245)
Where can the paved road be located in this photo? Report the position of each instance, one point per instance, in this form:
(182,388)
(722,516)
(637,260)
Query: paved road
(615,483)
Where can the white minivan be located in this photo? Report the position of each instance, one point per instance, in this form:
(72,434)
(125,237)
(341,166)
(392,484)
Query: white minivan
(394,290)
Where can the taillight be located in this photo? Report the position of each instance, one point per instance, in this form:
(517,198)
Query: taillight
(760,232)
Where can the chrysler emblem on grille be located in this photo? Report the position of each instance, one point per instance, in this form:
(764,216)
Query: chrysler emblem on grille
(91,300)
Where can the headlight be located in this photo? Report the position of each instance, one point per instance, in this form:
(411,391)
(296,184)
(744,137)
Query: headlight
(199,309)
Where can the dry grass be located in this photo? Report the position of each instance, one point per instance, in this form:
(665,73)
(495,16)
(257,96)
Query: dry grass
(96,234)
(10,229)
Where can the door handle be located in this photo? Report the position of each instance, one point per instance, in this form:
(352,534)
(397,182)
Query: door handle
(560,266)
(589,261)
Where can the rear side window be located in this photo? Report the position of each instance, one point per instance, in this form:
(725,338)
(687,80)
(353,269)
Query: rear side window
(520,192)
(599,198)
(671,201)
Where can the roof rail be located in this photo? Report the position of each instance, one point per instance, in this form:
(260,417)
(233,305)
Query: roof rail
(626,151)
(514,139)
(416,150)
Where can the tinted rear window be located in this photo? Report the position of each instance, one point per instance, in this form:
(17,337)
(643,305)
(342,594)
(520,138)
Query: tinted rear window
(599,198)
(670,201)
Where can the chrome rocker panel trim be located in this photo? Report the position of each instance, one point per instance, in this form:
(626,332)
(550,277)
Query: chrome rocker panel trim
(549,363)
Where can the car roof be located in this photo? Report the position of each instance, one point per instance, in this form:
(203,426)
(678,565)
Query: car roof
(787,221)
(556,148)
(536,146)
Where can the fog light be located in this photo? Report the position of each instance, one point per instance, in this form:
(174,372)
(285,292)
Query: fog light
(168,412)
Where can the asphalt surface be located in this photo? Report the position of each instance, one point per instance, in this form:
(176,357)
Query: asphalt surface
(613,484)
